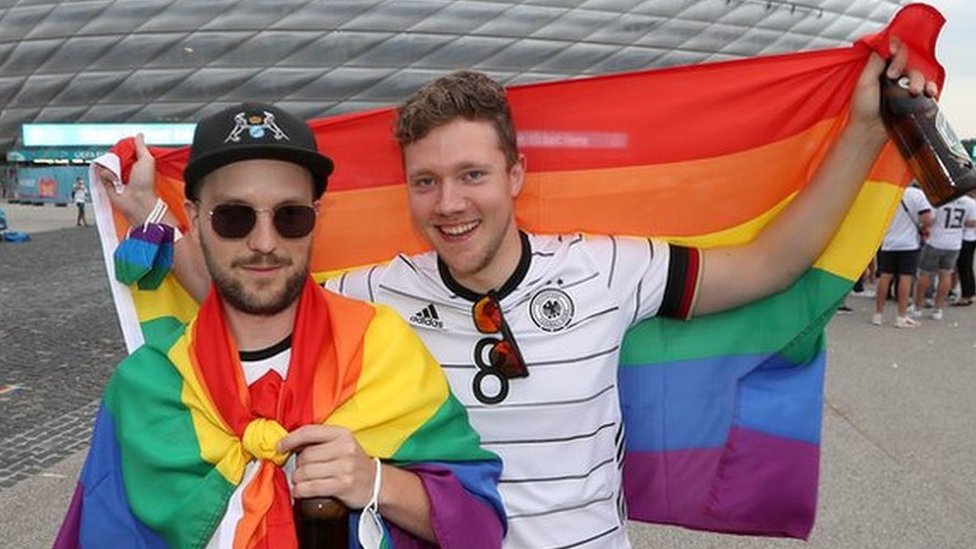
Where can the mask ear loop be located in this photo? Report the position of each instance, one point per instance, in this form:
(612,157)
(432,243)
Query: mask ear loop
(371,528)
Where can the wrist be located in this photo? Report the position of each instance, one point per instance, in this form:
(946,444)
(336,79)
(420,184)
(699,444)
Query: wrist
(867,135)
(137,214)
(160,214)
(139,211)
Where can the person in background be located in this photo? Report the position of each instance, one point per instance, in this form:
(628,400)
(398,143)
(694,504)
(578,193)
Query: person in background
(79,195)
(964,266)
(899,255)
(941,252)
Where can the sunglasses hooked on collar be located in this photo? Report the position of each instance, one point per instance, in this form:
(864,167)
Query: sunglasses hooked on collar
(504,359)
(235,220)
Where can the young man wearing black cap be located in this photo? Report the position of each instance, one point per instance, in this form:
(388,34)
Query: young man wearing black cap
(273,362)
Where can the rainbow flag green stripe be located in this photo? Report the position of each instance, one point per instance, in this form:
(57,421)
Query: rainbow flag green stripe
(772,324)
(162,452)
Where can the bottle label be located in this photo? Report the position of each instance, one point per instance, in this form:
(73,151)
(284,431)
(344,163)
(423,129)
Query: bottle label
(952,141)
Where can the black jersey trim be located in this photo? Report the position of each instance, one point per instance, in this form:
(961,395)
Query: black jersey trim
(594,396)
(578,436)
(563,509)
(682,284)
(597,314)
(613,261)
(557,362)
(587,474)
(525,259)
(267,352)
(590,539)
(369,282)
(407,261)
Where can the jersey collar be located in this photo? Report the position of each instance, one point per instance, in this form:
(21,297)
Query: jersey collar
(513,281)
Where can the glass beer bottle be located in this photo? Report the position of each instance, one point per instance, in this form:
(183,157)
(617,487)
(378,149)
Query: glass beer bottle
(934,154)
(321,523)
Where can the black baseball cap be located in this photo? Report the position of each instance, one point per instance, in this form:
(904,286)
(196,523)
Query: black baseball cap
(253,131)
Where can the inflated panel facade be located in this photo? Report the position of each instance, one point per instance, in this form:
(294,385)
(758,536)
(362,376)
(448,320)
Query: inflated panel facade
(175,61)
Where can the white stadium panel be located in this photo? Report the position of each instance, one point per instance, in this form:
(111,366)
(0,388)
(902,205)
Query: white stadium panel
(175,61)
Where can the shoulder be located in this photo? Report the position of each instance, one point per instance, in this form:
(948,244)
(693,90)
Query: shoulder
(364,282)
(149,361)
(916,197)
(607,246)
(346,308)
(357,282)
(969,203)
(627,249)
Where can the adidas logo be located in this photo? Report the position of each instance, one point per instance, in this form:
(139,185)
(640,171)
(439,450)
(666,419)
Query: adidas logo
(427,317)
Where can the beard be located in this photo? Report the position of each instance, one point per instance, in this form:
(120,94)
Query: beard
(481,260)
(262,301)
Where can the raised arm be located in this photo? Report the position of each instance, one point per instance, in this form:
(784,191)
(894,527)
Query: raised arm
(787,247)
(136,199)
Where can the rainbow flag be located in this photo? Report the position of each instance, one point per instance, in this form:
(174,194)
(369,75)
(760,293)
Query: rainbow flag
(722,412)
(179,425)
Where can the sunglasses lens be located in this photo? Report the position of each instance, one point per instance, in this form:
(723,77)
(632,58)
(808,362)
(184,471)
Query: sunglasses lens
(506,359)
(487,315)
(294,221)
(232,220)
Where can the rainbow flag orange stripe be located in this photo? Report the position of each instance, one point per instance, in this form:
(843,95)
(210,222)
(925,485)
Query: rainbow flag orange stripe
(723,412)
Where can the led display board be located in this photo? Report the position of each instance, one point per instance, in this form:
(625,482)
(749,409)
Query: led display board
(86,135)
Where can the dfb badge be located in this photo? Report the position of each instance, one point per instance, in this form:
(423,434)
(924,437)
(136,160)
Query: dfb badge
(551,309)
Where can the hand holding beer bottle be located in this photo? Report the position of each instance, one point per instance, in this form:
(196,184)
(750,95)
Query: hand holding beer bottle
(321,523)
(332,475)
(934,153)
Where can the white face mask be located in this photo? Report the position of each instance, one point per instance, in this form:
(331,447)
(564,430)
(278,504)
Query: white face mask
(370,529)
(370,523)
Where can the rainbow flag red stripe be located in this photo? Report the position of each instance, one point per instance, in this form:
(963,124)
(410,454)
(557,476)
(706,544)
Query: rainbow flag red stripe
(723,412)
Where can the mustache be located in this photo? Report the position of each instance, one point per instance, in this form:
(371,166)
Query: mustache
(262,260)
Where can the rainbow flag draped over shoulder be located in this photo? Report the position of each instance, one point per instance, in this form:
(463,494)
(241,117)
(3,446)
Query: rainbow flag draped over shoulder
(723,412)
(179,426)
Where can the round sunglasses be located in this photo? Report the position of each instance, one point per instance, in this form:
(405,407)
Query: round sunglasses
(238,220)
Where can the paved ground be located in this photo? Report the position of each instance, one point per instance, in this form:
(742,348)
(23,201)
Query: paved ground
(898,439)
(35,219)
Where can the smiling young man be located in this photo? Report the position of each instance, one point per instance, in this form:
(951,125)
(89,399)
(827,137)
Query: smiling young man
(528,327)
(277,389)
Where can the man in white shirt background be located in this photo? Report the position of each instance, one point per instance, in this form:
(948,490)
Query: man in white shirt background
(79,195)
(941,251)
(899,255)
(964,266)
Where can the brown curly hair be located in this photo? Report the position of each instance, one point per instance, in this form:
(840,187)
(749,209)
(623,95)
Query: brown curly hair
(463,94)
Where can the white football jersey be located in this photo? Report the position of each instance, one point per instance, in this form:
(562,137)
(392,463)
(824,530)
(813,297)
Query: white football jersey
(902,234)
(969,233)
(950,220)
(559,430)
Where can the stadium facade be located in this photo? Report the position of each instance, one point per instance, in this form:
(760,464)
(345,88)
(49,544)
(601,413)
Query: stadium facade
(174,61)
